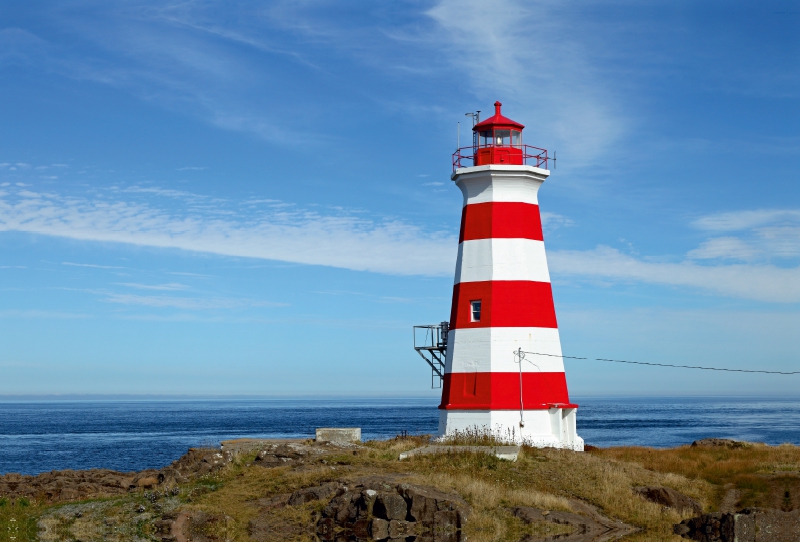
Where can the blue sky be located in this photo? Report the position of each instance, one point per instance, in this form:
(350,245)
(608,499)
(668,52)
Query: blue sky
(254,197)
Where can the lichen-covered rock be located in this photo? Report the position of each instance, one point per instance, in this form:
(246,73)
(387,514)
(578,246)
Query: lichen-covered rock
(670,498)
(426,501)
(380,509)
(747,525)
(316,493)
(70,485)
(390,506)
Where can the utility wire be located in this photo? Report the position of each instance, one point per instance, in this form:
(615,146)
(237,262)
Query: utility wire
(669,365)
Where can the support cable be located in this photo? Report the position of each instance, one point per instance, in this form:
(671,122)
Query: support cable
(668,365)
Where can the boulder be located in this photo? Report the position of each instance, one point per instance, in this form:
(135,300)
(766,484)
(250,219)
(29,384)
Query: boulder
(401,528)
(747,525)
(343,508)
(390,506)
(385,509)
(379,529)
(426,501)
(316,493)
(588,526)
(670,498)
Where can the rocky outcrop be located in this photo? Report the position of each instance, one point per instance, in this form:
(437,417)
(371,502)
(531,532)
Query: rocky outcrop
(588,525)
(747,525)
(287,453)
(720,443)
(71,485)
(670,498)
(378,509)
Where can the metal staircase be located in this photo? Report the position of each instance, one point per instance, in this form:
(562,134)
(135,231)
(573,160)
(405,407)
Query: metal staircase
(430,342)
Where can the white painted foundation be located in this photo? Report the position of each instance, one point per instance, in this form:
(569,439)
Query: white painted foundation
(553,428)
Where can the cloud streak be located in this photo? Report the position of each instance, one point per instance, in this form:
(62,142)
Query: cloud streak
(187,303)
(171,287)
(516,49)
(746,281)
(339,239)
(763,234)
(297,236)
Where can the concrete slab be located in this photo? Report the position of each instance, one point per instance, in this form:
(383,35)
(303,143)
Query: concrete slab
(508,453)
(247,445)
(338,434)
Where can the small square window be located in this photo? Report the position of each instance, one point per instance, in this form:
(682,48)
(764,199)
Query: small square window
(475,310)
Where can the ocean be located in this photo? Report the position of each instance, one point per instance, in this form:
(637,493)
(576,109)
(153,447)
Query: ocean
(132,435)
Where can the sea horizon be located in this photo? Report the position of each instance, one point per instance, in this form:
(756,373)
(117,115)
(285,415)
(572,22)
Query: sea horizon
(133,434)
(350,396)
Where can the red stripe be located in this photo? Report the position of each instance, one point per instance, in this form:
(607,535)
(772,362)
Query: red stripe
(504,303)
(500,391)
(500,219)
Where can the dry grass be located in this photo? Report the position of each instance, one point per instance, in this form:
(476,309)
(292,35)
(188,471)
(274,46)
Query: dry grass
(542,478)
(547,478)
(763,473)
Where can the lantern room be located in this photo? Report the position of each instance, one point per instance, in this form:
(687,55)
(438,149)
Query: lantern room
(498,140)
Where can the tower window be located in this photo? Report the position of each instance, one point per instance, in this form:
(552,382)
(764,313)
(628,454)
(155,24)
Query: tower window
(475,311)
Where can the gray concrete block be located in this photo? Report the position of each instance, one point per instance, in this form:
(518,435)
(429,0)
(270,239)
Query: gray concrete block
(338,434)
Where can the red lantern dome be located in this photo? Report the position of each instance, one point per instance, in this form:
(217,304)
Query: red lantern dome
(498,140)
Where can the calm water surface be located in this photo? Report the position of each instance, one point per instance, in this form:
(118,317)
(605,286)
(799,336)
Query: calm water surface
(134,435)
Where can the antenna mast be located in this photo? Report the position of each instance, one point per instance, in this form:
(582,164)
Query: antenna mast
(476,118)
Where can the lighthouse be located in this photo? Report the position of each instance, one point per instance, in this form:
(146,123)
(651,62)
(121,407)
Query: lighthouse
(500,363)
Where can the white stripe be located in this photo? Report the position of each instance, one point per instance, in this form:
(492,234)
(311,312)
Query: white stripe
(492,349)
(501,184)
(501,259)
(543,428)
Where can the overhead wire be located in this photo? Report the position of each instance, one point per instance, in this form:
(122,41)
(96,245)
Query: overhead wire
(670,365)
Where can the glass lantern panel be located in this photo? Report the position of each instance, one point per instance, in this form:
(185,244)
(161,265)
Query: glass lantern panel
(502,138)
(516,138)
(486,139)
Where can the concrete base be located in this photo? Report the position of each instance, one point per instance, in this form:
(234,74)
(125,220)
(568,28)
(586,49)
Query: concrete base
(508,453)
(338,434)
(553,428)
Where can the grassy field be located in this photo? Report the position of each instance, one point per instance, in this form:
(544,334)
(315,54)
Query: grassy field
(231,498)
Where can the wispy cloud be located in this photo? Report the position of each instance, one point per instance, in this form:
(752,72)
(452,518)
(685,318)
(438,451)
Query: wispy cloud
(172,286)
(352,241)
(71,263)
(188,303)
(158,191)
(747,219)
(191,168)
(37,314)
(298,236)
(763,234)
(552,221)
(746,281)
(508,48)
(728,248)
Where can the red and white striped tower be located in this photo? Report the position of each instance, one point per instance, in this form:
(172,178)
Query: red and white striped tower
(503,309)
